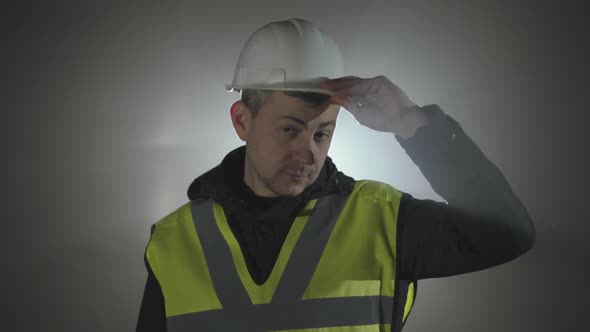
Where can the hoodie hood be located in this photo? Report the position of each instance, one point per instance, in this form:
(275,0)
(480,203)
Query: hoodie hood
(225,184)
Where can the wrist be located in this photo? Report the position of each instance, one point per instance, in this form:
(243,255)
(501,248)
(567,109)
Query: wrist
(412,119)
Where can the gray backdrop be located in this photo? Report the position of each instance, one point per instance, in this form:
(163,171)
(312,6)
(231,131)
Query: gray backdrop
(110,111)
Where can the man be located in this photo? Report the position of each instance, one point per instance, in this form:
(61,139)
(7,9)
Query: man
(275,238)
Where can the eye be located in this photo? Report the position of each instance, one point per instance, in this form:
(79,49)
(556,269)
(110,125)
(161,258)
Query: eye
(288,130)
(322,135)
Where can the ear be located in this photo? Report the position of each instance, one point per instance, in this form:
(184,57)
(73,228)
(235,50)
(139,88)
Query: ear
(241,119)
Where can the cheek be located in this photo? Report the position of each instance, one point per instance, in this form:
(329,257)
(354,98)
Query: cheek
(320,162)
(271,157)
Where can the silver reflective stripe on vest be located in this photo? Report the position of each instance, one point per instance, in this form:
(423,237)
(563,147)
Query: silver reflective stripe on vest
(316,313)
(308,249)
(287,310)
(226,281)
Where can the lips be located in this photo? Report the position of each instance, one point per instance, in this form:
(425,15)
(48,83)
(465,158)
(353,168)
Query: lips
(296,176)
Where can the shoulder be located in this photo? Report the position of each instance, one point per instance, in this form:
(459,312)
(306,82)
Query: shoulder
(376,190)
(175,217)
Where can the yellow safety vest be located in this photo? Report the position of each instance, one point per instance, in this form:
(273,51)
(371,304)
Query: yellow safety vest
(334,273)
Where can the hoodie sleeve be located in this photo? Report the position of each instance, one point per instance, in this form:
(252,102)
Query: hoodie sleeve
(482,223)
(152,316)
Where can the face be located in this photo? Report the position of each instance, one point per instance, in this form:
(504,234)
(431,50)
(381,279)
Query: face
(286,143)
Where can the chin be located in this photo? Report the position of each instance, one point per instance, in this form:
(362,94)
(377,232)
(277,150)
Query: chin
(292,191)
(286,188)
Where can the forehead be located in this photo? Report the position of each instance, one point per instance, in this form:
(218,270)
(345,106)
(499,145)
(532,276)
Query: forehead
(280,105)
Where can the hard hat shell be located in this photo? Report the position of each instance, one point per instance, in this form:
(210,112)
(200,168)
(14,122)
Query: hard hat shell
(291,55)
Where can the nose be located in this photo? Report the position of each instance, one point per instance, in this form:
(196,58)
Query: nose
(305,150)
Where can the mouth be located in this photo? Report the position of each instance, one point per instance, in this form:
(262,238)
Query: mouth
(297,177)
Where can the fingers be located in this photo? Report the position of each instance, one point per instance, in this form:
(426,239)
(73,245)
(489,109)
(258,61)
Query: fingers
(342,83)
(355,93)
(351,86)
(348,103)
(342,101)
(346,90)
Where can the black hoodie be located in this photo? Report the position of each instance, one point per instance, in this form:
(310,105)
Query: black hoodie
(483,225)
(261,223)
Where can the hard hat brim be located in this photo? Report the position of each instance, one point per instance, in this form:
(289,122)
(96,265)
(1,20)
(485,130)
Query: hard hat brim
(281,87)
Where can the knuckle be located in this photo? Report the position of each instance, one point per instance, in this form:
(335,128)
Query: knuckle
(381,78)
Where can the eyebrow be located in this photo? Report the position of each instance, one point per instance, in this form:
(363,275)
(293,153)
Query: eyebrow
(301,122)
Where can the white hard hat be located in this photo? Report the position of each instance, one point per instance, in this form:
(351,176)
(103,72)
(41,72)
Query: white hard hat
(291,55)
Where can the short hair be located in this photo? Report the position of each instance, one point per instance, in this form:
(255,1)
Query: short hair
(256,98)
